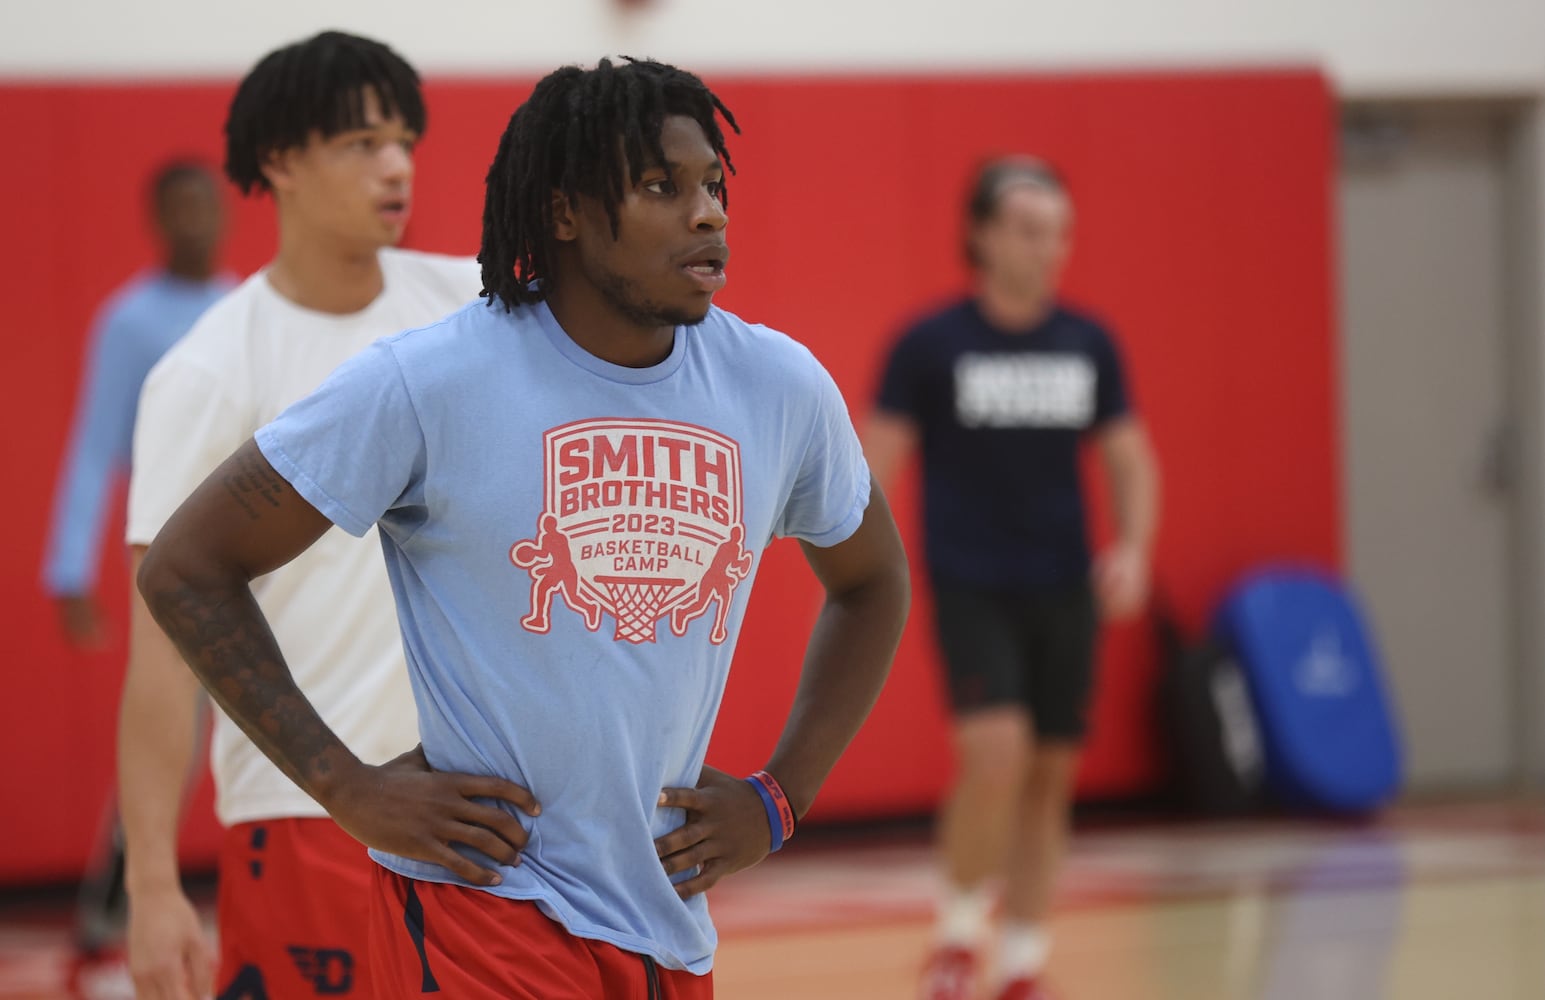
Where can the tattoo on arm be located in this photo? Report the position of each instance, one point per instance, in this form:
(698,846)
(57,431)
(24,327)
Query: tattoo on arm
(253,484)
(225,640)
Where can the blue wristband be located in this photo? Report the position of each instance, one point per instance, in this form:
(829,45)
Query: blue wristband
(774,818)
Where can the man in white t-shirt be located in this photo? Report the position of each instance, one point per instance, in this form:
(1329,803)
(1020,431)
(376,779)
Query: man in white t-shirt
(328,127)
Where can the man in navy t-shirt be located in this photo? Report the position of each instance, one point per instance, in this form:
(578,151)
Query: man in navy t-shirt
(999,392)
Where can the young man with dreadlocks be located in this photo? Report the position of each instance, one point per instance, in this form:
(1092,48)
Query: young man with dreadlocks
(595,440)
(328,127)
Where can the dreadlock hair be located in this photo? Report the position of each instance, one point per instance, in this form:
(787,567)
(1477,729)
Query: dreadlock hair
(317,85)
(577,134)
(172,173)
(997,176)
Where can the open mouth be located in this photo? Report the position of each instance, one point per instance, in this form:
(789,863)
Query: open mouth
(706,272)
(705,266)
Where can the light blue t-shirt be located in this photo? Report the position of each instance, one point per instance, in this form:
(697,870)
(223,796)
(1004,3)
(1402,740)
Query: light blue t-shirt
(572,545)
(138,324)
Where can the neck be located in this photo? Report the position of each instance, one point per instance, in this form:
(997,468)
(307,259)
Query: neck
(1013,309)
(591,321)
(319,273)
(190,266)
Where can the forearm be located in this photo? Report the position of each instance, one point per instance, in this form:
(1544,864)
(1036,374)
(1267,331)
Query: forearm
(157,730)
(75,530)
(1134,485)
(846,663)
(98,450)
(211,617)
(889,440)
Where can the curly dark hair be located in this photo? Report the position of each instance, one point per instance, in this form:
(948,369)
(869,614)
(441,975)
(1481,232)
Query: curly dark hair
(317,85)
(579,133)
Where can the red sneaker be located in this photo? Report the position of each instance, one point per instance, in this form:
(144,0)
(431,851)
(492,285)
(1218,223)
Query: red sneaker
(950,975)
(1023,989)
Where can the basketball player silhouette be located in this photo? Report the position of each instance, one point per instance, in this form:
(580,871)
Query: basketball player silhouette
(731,564)
(552,571)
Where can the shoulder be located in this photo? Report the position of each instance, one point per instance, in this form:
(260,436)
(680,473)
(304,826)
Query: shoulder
(456,341)
(937,325)
(773,355)
(1082,323)
(130,302)
(456,278)
(218,342)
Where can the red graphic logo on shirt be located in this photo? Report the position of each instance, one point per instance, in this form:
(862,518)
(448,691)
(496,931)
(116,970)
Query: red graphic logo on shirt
(641,520)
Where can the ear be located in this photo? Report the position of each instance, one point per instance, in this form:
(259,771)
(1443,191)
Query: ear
(565,219)
(973,244)
(1065,250)
(1065,244)
(278,169)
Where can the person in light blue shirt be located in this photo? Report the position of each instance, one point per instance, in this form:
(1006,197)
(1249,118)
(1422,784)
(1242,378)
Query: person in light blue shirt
(133,328)
(575,482)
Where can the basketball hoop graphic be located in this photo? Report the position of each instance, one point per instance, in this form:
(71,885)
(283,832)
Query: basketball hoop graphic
(636,603)
(641,520)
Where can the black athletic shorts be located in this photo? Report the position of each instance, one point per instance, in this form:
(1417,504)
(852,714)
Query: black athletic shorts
(1020,647)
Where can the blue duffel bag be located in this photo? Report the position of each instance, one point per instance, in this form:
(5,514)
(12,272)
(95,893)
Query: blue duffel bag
(1330,738)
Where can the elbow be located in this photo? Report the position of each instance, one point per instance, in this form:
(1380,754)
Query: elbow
(892,578)
(156,573)
(893,603)
(892,588)
(899,577)
(161,570)
(883,596)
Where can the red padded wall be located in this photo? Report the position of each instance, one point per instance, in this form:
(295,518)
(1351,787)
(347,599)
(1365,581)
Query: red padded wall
(1203,237)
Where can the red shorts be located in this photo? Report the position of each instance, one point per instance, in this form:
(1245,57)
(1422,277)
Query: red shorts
(431,938)
(293,909)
